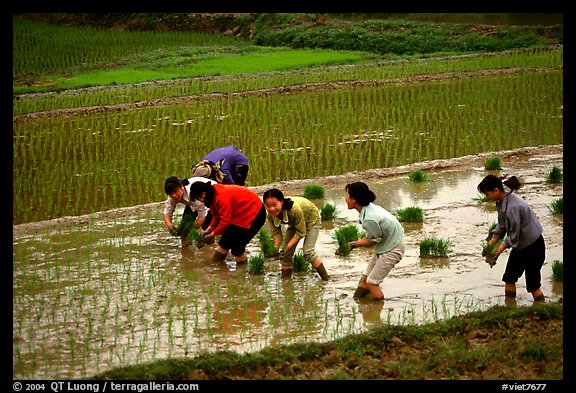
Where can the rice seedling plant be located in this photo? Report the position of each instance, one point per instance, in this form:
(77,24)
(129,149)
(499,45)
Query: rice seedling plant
(557,270)
(434,247)
(554,175)
(57,58)
(410,214)
(344,235)
(488,249)
(87,148)
(557,206)
(185,228)
(419,176)
(255,264)
(314,191)
(491,227)
(328,211)
(301,264)
(493,163)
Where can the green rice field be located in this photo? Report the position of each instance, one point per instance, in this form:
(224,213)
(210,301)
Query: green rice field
(90,159)
(102,291)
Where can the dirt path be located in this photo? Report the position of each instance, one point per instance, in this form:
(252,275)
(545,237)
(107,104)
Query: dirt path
(274,90)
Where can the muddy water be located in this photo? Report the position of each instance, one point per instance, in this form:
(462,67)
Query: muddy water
(110,291)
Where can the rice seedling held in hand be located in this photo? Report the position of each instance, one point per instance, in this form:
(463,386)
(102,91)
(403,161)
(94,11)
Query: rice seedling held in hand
(344,235)
(266,243)
(491,227)
(313,191)
(493,163)
(410,214)
(480,198)
(187,231)
(185,226)
(555,175)
(489,251)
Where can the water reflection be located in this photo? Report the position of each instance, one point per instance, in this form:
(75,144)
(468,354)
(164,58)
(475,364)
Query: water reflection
(442,189)
(115,291)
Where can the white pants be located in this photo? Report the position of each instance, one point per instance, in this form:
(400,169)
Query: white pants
(381,264)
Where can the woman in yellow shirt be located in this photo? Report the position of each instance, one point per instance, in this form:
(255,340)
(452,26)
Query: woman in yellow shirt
(302,218)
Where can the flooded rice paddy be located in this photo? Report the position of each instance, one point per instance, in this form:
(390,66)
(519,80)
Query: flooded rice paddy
(116,289)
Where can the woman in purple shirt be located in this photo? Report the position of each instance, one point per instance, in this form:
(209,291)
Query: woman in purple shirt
(226,165)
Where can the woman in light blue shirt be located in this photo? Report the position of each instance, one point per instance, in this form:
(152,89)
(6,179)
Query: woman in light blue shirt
(383,231)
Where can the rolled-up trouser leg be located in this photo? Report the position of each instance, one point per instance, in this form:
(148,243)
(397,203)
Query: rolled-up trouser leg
(322,272)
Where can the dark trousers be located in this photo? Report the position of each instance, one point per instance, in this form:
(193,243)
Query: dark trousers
(241,175)
(529,261)
(236,238)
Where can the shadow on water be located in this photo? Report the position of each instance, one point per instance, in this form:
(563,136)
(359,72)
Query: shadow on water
(114,291)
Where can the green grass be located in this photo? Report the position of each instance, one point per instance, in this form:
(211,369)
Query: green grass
(448,355)
(220,64)
(87,146)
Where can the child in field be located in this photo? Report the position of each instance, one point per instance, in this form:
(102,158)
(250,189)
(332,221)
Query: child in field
(226,165)
(521,231)
(383,231)
(302,218)
(178,191)
(237,215)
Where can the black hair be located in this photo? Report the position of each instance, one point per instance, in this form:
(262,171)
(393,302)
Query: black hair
(492,182)
(361,193)
(198,187)
(172,184)
(287,203)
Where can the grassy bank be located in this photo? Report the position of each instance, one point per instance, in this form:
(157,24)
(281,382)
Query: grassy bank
(500,343)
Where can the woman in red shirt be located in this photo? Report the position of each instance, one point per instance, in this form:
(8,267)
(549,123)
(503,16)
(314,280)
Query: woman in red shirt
(238,214)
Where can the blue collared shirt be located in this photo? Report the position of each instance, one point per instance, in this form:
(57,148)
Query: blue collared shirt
(517,222)
(381,227)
